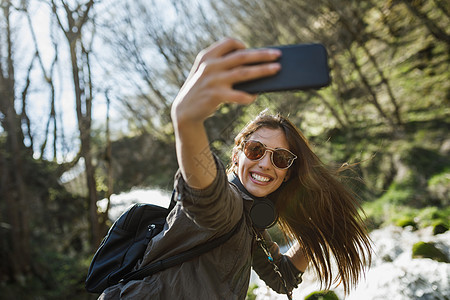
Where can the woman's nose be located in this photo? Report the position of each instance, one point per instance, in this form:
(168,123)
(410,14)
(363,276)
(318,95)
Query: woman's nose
(266,161)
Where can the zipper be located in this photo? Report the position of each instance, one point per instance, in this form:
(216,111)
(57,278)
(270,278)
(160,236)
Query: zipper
(150,230)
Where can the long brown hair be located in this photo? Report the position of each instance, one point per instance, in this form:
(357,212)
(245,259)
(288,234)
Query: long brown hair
(317,209)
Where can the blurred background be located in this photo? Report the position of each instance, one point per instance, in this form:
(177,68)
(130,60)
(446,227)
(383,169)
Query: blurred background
(85,95)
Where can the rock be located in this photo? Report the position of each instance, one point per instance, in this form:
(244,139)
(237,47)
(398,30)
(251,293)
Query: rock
(439,228)
(322,295)
(407,221)
(428,250)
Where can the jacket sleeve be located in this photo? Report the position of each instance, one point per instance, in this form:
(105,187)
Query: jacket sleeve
(265,270)
(217,207)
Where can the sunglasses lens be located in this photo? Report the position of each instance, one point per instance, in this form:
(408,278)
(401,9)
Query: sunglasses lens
(282,158)
(254,150)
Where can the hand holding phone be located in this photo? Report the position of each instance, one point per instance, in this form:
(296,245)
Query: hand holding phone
(303,66)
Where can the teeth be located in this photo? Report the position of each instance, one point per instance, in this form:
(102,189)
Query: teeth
(260,178)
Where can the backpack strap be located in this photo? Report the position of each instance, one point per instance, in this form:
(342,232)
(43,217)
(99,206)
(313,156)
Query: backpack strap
(181,257)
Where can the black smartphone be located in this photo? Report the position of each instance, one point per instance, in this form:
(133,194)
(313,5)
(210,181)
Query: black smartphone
(303,66)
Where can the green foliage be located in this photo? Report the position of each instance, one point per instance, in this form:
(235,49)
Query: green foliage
(57,237)
(382,213)
(440,178)
(409,175)
(58,276)
(406,221)
(426,161)
(322,295)
(428,250)
(431,216)
(402,193)
(439,187)
(250,293)
(143,160)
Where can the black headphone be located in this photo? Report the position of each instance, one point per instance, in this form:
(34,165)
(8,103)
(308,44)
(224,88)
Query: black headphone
(263,212)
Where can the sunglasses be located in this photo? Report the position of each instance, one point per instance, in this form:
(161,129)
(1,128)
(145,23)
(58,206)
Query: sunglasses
(281,158)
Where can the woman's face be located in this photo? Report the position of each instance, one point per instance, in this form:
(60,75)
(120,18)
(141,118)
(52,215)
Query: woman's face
(261,177)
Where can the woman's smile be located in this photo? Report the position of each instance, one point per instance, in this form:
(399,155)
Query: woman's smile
(259,178)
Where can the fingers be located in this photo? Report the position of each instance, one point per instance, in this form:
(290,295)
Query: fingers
(249,57)
(217,50)
(228,61)
(216,70)
(217,76)
(247,65)
(242,97)
(231,53)
(221,48)
(245,73)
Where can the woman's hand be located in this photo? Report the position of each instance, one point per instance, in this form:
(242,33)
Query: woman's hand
(210,84)
(215,71)
(297,257)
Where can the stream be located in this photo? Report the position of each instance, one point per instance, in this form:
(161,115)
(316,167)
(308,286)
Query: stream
(394,274)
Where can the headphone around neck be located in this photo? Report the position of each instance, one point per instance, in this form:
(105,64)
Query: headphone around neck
(263,212)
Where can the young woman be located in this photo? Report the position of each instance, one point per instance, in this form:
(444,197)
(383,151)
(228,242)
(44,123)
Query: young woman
(271,163)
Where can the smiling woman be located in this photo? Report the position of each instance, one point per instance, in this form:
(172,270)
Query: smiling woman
(272,167)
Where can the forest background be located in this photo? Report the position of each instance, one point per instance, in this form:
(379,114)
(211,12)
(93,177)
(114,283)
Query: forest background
(85,95)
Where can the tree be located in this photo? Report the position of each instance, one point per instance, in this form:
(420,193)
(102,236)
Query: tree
(419,10)
(13,156)
(152,48)
(73,28)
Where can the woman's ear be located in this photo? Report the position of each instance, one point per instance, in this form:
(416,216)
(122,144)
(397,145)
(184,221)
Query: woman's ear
(235,157)
(235,160)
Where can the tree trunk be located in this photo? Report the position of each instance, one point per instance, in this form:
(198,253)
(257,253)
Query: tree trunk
(13,187)
(84,118)
(83,104)
(357,34)
(372,96)
(16,199)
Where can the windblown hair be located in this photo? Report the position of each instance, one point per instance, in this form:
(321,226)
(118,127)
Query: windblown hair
(317,209)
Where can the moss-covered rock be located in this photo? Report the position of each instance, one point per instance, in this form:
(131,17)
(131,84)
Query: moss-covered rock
(432,215)
(439,227)
(322,295)
(428,250)
(405,222)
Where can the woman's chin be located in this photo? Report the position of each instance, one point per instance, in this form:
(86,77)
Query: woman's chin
(257,190)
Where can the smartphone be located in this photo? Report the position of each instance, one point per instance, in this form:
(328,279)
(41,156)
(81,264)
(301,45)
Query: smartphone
(303,67)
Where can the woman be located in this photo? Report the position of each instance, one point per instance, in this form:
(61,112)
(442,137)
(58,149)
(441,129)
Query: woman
(271,160)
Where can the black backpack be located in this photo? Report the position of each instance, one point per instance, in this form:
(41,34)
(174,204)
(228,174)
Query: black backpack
(126,242)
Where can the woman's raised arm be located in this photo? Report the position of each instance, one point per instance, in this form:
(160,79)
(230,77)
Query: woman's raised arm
(210,84)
